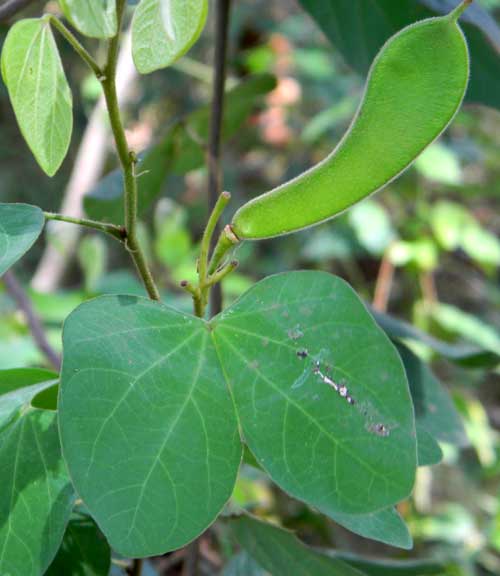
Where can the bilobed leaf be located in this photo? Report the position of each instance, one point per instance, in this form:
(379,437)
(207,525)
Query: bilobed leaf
(84,551)
(164,30)
(281,346)
(94,18)
(36,496)
(344,22)
(20,226)
(33,73)
(279,552)
(434,408)
(385,526)
(147,424)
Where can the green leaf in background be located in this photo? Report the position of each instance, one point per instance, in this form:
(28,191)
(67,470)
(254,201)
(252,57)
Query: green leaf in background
(177,152)
(429,452)
(385,526)
(463,354)
(164,30)
(147,423)
(84,551)
(21,377)
(372,225)
(36,496)
(350,450)
(20,226)
(434,408)
(243,565)
(456,228)
(438,163)
(344,22)
(387,567)
(92,257)
(173,246)
(33,73)
(278,551)
(94,18)
(459,323)
(46,399)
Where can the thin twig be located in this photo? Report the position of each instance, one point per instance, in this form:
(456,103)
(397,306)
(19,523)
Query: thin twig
(218,276)
(128,160)
(191,559)
(136,568)
(75,44)
(12,7)
(214,147)
(383,285)
(117,232)
(17,293)
(211,227)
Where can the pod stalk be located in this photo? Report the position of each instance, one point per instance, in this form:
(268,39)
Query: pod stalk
(460,9)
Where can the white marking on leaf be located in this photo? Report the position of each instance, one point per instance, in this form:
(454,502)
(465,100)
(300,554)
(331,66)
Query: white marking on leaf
(167,19)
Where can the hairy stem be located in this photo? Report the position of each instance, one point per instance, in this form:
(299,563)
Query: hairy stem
(200,294)
(128,160)
(206,241)
(17,293)
(222,273)
(117,232)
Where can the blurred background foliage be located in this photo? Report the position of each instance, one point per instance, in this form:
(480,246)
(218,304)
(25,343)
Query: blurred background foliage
(426,249)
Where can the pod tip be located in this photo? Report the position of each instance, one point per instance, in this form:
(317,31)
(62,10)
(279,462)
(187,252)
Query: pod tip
(460,9)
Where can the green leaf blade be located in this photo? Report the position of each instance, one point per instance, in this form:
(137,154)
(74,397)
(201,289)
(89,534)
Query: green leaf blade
(428,449)
(277,550)
(164,30)
(36,497)
(84,551)
(39,91)
(385,526)
(20,226)
(338,457)
(147,423)
(16,378)
(96,19)
(434,408)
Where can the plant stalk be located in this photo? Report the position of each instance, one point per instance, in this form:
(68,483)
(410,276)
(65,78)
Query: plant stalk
(128,159)
(222,19)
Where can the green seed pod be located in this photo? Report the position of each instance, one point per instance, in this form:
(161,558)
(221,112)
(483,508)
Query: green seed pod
(414,89)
